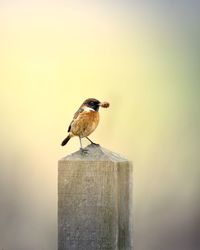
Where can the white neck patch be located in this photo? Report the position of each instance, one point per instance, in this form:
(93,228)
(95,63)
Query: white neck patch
(88,109)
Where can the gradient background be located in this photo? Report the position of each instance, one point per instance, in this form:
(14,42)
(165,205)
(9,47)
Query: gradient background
(142,57)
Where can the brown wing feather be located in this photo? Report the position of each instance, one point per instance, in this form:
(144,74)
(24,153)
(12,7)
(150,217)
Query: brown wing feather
(80,110)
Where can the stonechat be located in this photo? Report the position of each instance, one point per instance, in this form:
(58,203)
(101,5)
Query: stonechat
(85,120)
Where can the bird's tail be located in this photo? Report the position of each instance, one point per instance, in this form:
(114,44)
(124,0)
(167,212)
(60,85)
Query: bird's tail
(65,141)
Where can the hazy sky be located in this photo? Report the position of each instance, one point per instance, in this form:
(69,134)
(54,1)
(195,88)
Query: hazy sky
(142,57)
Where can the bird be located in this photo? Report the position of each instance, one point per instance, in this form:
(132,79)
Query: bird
(85,121)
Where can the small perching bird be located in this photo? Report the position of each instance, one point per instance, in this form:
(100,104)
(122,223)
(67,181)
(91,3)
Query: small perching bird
(85,120)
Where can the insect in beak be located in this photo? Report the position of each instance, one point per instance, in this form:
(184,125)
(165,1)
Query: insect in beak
(104,104)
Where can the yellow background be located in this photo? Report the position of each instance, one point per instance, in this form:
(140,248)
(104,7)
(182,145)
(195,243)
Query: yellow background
(143,59)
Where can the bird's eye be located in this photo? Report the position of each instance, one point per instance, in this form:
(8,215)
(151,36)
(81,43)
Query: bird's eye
(91,103)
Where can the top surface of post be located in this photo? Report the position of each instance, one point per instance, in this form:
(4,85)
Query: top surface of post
(94,153)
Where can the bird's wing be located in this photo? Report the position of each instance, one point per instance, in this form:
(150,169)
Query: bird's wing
(80,110)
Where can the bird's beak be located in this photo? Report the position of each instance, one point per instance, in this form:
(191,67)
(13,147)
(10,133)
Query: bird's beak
(104,104)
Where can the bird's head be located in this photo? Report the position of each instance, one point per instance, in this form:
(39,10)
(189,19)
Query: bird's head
(94,104)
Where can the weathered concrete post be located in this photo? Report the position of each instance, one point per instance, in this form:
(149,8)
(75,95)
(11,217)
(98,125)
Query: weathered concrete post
(95,201)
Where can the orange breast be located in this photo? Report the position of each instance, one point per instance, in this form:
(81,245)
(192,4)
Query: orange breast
(85,123)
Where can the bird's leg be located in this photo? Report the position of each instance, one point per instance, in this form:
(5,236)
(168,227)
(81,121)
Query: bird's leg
(80,142)
(82,150)
(92,141)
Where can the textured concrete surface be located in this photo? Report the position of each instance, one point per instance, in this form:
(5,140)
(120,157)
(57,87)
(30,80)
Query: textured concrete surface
(95,201)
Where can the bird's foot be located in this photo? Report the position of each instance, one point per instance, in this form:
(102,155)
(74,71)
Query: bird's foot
(95,144)
(84,151)
(92,143)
